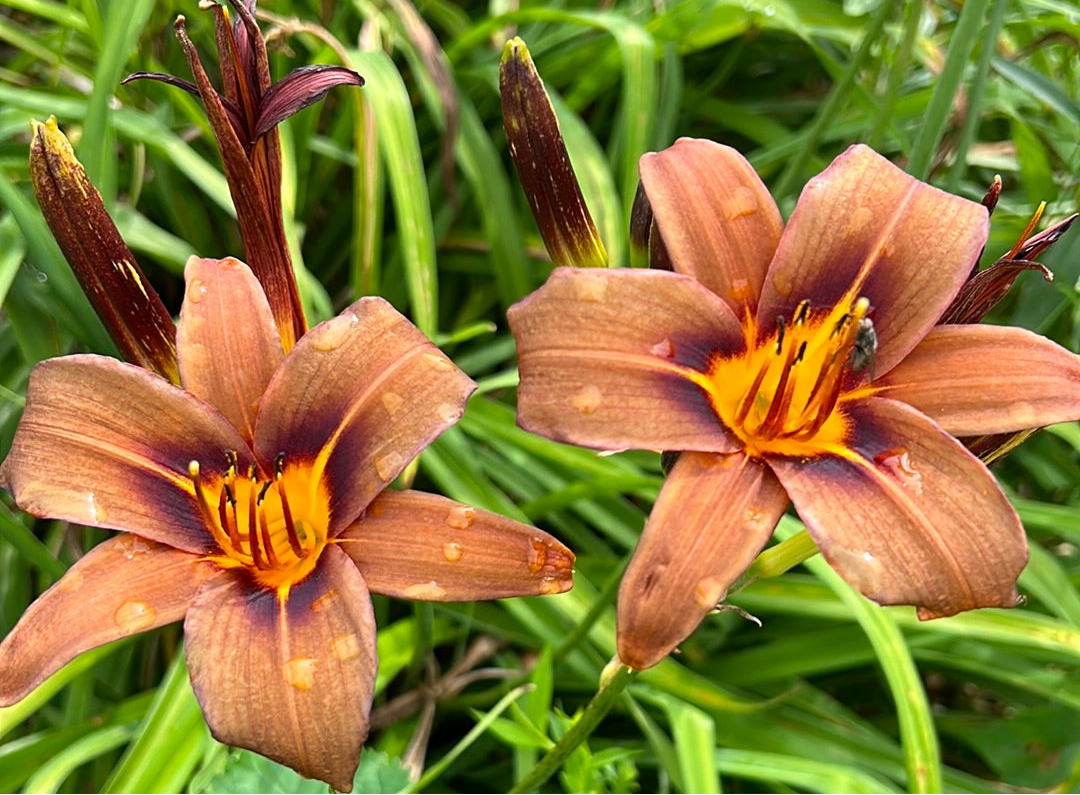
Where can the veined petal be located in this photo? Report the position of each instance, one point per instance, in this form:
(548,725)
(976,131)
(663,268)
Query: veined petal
(299,89)
(414,545)
(227,344)
(910,516)
(713,515)
(718,222)
(975,380)
(865,228)
(108,444)
(360,396)
(613,359)
(129,307)
(122,586)
(291,681)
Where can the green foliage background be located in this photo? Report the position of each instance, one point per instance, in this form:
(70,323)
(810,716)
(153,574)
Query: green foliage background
(405,189)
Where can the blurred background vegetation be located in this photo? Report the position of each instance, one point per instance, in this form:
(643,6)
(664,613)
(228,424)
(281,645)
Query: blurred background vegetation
(404,188)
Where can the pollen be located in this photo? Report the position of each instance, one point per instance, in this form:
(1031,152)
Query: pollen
(785,394)
(273,524)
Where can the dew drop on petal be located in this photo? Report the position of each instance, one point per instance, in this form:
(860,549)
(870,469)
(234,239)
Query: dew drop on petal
(589,287)
(460,517)
(391,401)
(448,412)
(708,591)
(550,585)
(196,291)
(857,221)
(387,466)
(95,512)
(333,333)
(345,647)
(859,567)
(664,349)
(899,465)
(300,672)
(587,399)
(755,519)
(134,616)
(438,362)
(781,281)
(325,602)
(537,555)
(740,291)
(429,591)
(452,551)
(739,204)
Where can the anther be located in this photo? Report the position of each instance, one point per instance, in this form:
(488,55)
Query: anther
(779,334)
(801,312)
(286,513)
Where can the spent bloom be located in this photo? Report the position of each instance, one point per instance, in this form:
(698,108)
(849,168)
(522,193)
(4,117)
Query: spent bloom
(253,504)
(799,363)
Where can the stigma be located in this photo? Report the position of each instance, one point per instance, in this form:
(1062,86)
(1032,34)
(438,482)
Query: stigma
(784,395)
(273,525)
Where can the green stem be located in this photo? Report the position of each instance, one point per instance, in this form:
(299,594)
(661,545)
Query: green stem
(789,553)
(583,727)
(912,18)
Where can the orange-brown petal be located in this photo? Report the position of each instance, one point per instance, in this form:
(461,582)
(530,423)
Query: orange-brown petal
(612,359)
(910,516)
(122,586)
(713,515)
(718,222)
(226,340)
(865,228)
(290,681)
(108,444)
(414,545)
(360,396)
(977,380)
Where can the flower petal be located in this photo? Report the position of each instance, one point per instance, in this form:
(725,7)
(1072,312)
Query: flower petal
(865,228)
(108,444)
(975,380)
(360,396)
(714,514)
(299,89)
(718,222)
(414,545)
(122,586)
(910,517)
(612,359)
(290,681)
(129,307)
(227,344)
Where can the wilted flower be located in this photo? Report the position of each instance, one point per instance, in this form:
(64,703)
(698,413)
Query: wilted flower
(802,363)
(253,507)
(244,119)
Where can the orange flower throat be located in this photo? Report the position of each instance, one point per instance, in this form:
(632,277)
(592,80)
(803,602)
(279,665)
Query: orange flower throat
(785,394)
(274,527)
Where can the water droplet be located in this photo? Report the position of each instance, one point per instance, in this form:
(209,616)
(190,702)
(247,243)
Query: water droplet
(587,400)
(460,517)
(739,204)
(859,567)
(300,672)
(709,591)
(781,281)
(537,555)
(133,546)
(95,512)
(438,362)
(345,647)
(387,466)
(391,401)
(755,519)
(428,591)
(589,287)
(134,616)
(325,602)
(857,223)
(448,412)
(740,291)
(899,465)
(452,551)
(196,291)
(551,585)
(333,333)
(663,349)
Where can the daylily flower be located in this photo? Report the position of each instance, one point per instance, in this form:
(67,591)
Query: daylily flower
(244,119)
(254,507)
(802,364)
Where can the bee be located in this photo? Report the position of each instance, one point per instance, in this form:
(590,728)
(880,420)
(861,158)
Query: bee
(864,348)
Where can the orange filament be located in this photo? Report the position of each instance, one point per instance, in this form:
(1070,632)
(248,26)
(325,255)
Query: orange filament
(784,395)
(275,527)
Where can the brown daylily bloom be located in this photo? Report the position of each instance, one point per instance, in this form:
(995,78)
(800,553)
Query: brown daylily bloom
(254,507)
(795,363)
(244,118)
